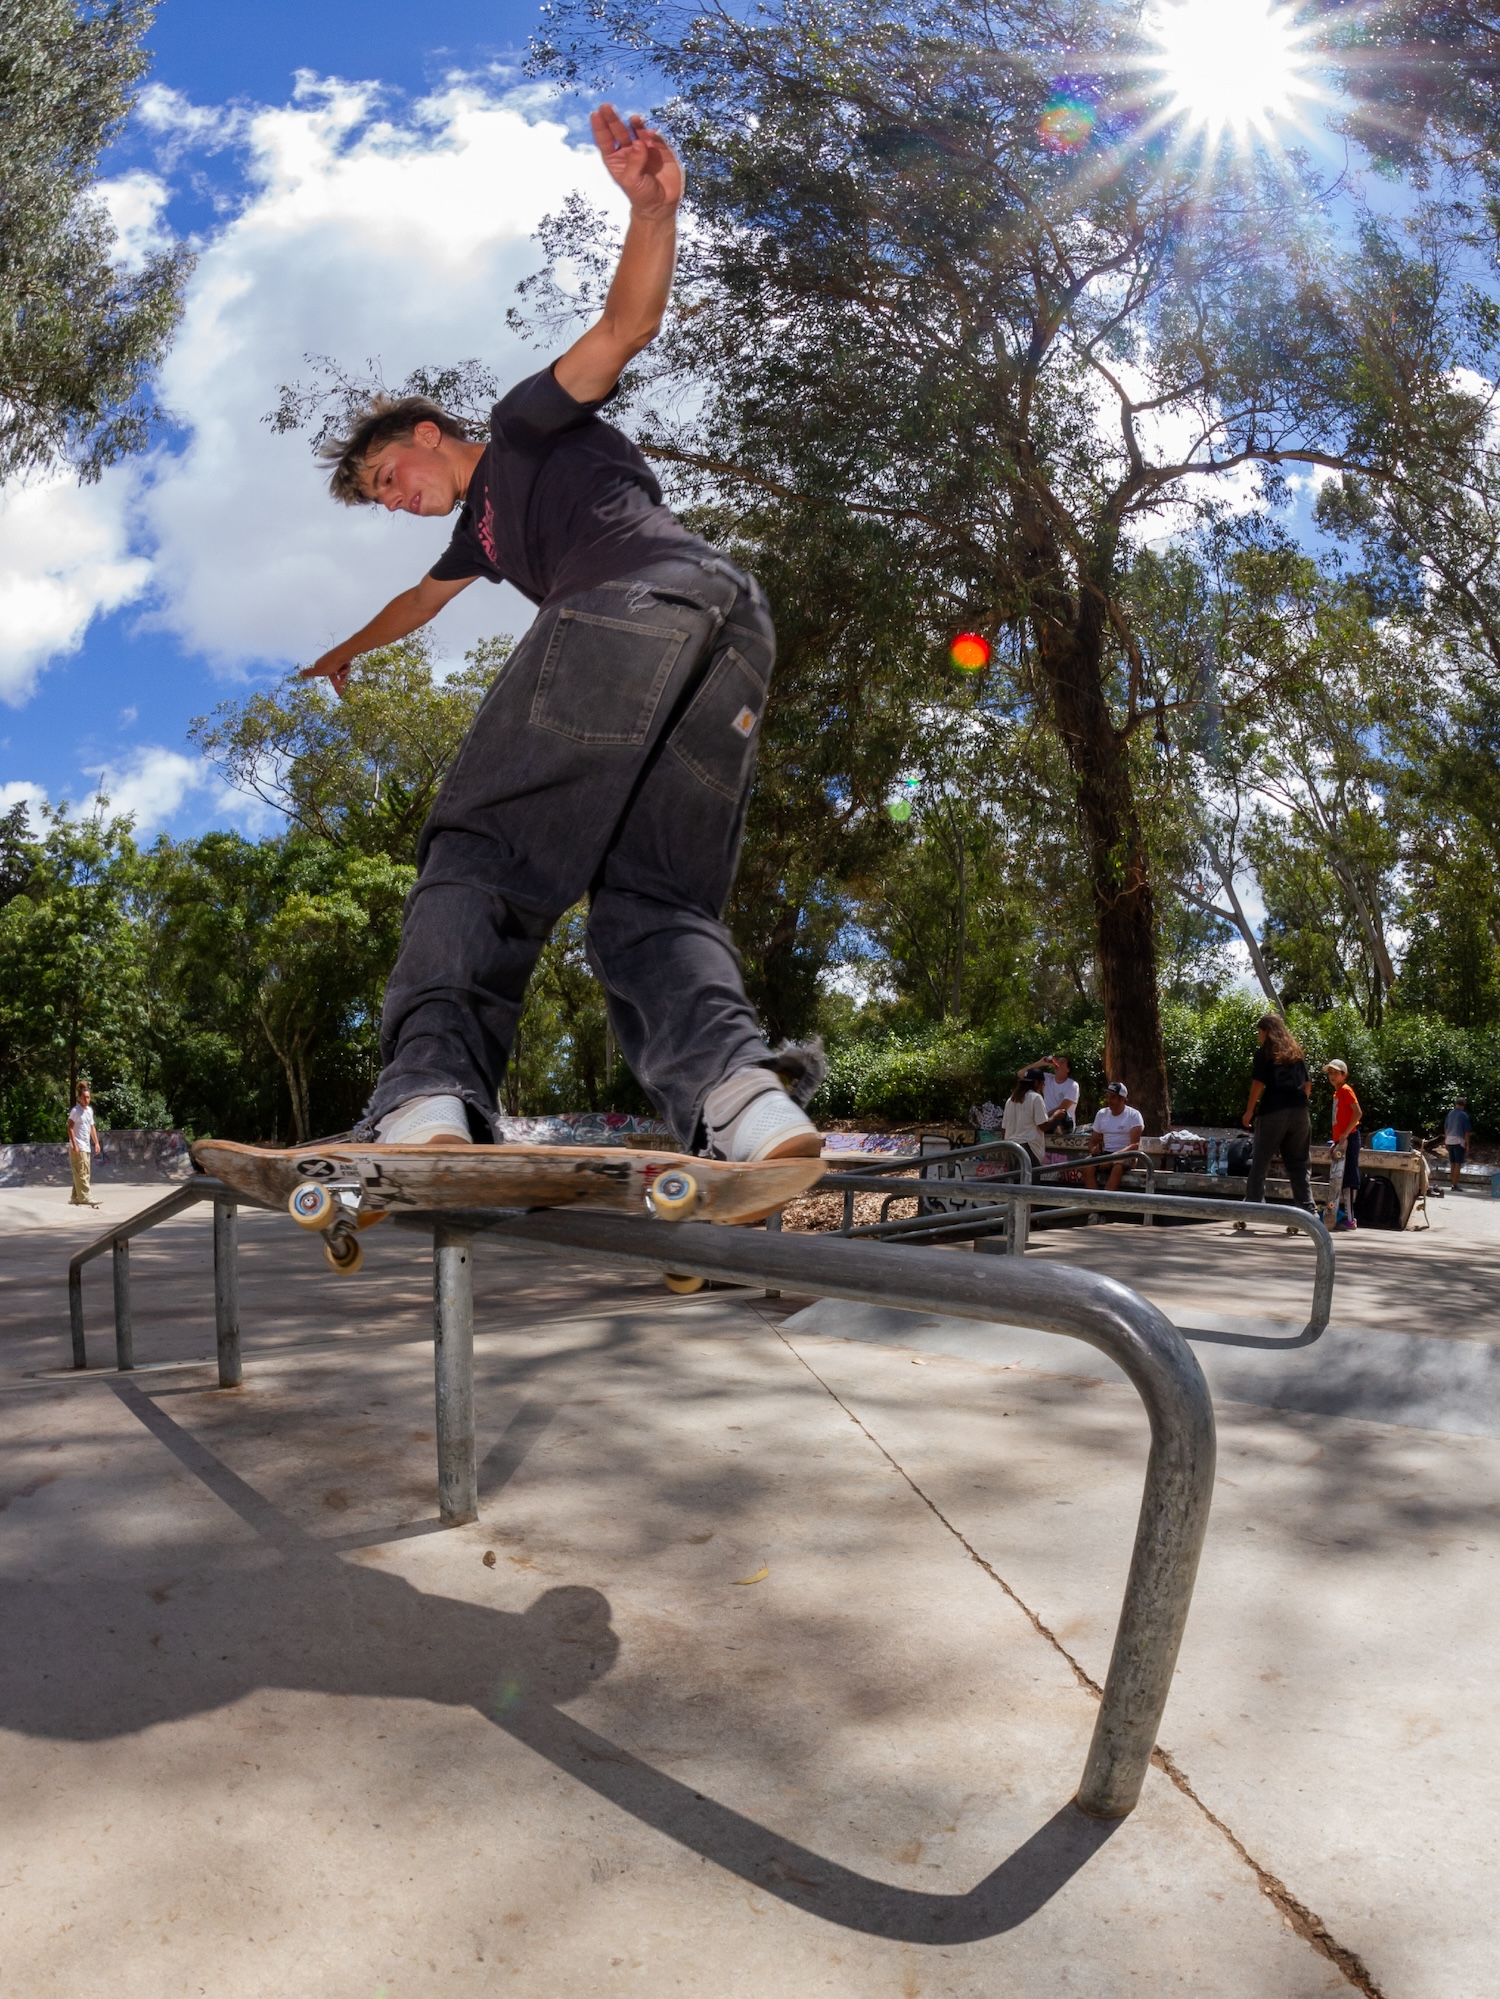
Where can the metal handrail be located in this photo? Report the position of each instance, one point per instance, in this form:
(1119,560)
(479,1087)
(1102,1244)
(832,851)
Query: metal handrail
(852,1183)
(1081,1304)
(976,1222)
(1203,1207)
(902,1162)
(1105,1314)
(202,1187)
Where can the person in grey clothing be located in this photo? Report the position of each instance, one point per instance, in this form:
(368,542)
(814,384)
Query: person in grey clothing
(1278,1112)
(612,757)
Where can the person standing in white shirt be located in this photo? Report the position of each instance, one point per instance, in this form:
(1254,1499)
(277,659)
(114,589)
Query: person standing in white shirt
(1116,1128)
(1025,1115)
(83,1142)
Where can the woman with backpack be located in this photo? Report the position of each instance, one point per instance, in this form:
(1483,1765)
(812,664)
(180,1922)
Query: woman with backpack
(1278,1111)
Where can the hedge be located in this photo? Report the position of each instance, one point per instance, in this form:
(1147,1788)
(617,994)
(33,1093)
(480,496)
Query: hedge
(1406,1072)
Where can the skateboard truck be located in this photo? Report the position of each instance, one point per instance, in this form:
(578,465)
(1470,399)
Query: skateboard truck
(333,1212)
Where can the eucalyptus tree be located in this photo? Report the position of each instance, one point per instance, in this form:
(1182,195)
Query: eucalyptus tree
(953,270)
(1423,79)
(362,772)
(81,329)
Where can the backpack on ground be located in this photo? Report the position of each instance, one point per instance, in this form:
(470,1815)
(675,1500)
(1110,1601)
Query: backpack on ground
(1376,1205)
(1241,1152)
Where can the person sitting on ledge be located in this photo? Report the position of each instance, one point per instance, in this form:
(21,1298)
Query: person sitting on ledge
(1116,1129)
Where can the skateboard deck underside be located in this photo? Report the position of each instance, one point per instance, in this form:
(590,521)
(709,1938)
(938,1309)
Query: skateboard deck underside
(414,1178)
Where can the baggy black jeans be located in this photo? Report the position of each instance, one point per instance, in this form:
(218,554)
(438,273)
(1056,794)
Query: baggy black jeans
(1289,1133)
(612,757)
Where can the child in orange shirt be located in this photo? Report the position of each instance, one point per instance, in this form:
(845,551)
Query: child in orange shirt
(1343,1172)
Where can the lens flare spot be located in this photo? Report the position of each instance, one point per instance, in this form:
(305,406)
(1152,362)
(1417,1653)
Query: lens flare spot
(1067,123)
(970,652)
(899,810)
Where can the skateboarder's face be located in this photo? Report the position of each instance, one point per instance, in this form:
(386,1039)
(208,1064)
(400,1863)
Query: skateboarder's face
(415,475)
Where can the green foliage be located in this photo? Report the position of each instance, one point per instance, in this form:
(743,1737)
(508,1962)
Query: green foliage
(925,347)
(563,1059)
(1405,1072)
(73,967)
(360,772)
(291,940)
(80,334)
(934,1075)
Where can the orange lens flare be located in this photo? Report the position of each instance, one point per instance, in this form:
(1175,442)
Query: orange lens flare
(970,652)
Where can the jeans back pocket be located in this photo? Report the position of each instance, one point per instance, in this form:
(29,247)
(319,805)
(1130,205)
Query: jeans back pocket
(718,736)
(602,678)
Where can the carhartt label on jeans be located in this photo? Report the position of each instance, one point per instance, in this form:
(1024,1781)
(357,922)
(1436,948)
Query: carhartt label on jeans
(744,722)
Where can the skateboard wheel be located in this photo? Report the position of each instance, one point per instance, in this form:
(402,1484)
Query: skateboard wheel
(311,1205)
(674,1196)
(345,1252)
(683,1285)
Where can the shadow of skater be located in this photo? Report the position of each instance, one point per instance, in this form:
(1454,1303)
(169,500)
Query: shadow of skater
(95,1660)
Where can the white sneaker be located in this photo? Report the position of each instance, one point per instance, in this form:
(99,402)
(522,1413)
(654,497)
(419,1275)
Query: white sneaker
(425,1121)
(750,1116)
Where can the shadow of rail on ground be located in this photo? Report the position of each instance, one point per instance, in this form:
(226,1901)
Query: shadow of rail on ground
(98,1659)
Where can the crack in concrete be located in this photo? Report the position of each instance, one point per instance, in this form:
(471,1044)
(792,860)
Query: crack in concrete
(1296,1914)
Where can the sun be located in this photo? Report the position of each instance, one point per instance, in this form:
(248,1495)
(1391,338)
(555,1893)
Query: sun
(1231,68)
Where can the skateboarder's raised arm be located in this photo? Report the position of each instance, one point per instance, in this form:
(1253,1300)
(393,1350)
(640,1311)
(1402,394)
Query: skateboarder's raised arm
(649,174)
(428,471)
(402,616)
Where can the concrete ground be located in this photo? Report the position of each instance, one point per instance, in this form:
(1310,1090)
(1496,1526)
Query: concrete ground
(267,1730)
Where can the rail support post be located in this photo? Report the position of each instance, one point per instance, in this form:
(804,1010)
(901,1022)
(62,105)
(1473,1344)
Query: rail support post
(75,1316)
(124,1337)
(227,1293)
(1018,1218)
(453,1367)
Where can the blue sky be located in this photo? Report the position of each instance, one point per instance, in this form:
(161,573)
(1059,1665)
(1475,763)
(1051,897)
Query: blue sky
(361,181)
(389,222)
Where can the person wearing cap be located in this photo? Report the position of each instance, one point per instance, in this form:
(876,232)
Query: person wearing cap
(1456,1128)
(1116,1128)
(1343,1155)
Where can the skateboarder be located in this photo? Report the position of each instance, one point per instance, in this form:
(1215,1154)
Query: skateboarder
(613,755)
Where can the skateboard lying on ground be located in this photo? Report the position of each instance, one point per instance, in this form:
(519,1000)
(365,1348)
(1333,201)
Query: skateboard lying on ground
(341,1188)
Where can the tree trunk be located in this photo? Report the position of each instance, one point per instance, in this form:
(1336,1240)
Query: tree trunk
(1119,876)
(1235,915)
(956,1000)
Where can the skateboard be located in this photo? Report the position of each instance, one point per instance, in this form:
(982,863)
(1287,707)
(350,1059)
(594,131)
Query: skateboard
(341,1188)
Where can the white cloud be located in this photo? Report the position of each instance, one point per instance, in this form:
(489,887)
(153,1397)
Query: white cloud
(135,204)
(152,785)
(178,120)
(21,792)
(359,236)
(65,558)
(361,239)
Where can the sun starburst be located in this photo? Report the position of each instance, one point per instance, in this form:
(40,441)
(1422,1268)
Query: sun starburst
(1231,69)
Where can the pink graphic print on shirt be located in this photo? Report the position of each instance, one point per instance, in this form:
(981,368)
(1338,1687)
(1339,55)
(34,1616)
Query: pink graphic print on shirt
(486,528)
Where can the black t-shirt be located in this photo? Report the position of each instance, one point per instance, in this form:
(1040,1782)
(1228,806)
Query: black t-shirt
(561,501)
(1286,1082)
